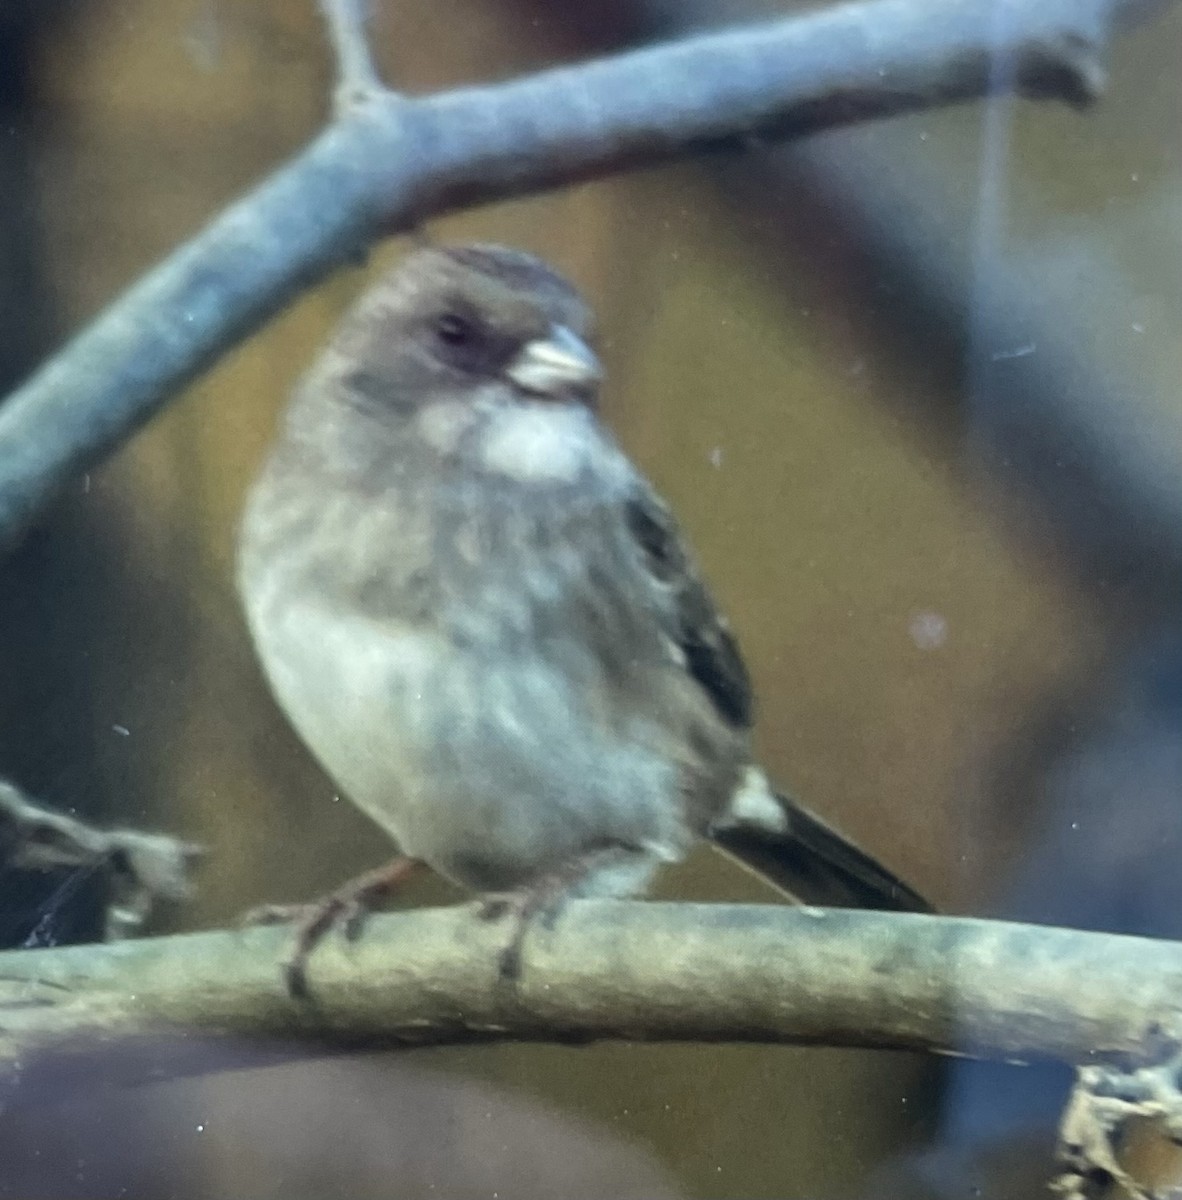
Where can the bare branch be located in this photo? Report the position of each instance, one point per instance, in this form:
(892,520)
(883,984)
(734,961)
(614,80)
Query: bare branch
(623,970)
(389,162)
(357,78)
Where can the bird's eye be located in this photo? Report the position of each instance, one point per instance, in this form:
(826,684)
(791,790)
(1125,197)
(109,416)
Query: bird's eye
(452,329)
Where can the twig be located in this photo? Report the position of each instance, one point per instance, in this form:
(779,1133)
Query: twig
(357,78)
(623,970)
(388,163)
(1122,1133)
(140,868)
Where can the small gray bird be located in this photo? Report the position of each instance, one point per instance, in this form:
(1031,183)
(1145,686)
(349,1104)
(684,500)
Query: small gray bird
(486,625)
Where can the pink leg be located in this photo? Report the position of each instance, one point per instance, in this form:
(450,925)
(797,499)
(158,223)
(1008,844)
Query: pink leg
(540,900)
(347,906)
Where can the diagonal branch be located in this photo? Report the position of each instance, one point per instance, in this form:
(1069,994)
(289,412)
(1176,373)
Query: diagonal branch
(637,971)
(386,162)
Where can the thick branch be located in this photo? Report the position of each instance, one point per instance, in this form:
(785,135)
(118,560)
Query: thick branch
(388,162)
(622,970)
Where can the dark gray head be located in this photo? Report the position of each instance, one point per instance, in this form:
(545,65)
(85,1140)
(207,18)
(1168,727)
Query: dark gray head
(469,321)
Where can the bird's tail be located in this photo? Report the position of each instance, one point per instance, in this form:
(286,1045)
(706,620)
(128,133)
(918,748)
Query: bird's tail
(800,854)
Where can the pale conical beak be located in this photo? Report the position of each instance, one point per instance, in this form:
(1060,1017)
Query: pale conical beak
(555,365)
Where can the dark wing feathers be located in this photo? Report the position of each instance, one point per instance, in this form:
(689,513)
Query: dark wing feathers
(711,652)
(809,861)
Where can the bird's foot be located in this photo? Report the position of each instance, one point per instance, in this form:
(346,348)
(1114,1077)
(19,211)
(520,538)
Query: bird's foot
(541,901)
(348,907)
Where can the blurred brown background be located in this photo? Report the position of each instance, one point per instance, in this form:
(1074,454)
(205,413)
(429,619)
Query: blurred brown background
(937,594)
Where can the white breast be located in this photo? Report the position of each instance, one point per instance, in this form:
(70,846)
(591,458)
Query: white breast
(351,689)
(487,767)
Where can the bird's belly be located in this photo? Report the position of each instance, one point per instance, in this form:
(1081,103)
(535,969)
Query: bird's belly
(490,767)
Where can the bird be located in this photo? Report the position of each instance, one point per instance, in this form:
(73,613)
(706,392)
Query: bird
(487,626)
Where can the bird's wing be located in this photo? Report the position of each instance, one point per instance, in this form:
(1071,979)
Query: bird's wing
(776,837)
(698,629)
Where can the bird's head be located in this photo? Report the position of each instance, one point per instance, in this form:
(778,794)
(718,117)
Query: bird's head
(478,355)
(468,323)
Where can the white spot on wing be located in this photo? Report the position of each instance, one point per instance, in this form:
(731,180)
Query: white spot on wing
(754,803)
